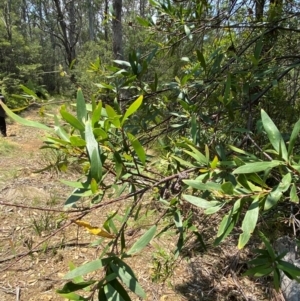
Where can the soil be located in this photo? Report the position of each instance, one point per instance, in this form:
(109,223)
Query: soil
(33,260)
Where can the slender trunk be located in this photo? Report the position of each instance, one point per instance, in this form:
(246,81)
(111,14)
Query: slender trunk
(259,10)
(7,20)
(91,20)
(105,20)
(117,30)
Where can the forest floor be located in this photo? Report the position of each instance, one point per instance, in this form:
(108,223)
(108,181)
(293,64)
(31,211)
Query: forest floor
(33,260)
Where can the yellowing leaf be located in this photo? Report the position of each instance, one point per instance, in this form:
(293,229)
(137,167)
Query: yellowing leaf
(214,162)
(93,230)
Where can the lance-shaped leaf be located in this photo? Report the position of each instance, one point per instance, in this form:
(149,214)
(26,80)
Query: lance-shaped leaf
(93,150)
(93,230)
(142,241)
(200,158)
(73,287)
(23,120)
(88,268)
(73,297)
(228,222)
(137,147)
(80,106)
(257,167)
(249,223)
(72,120)
(114,118)
(211,186)
(293,137)
(97,114)
(128,279)
(132,108)
(60,131)
(199,202)
(293,194)
(274,135)
(275,195)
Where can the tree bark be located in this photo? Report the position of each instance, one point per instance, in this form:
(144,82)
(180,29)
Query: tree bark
(117,30)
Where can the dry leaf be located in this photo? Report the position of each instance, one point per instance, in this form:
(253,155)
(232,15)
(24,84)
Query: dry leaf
(94,230)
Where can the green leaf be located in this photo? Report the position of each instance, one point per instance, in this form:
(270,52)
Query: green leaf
(199,202)
(128,279)
(60,131)
(293,137)
(268,245)
(228,222)
(289,268)
(97,114)
(183,162)
(98,132)
(201,59)
(211,186)
(93,150)
(73,287)
(114,118)
(132,108)
(260,270)
(80,106)
(72,120)
(285,182)
(196,155)
(227,188)
(73,296)
(249,223)
(274,135)
(293,194)
(137,147)
(143,22)
(88,268)
(75,184)
(111,294)
(23,120)
(143,241)
(273,197)
(120,289)
(77,141)
(28,91)
(276,279)
(258,48)
(257,166)
(214,209)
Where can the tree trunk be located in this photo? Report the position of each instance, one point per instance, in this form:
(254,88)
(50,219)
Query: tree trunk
(91,20)
(117,30)
(259,10)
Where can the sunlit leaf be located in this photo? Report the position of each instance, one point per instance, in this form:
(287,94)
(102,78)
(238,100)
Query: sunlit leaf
(80,106)
(94,152)
(86,268)
(132,108)
(128,279)
(137,147)
(24,121)
(293,137)
(143,241)
(249,223)
(93,230)
(257,167)
(274,135)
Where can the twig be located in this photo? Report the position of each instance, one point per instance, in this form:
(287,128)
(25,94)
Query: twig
(2,202)
(18,293)
(35,249)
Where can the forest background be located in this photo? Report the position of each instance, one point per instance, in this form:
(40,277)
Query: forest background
(205,86)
